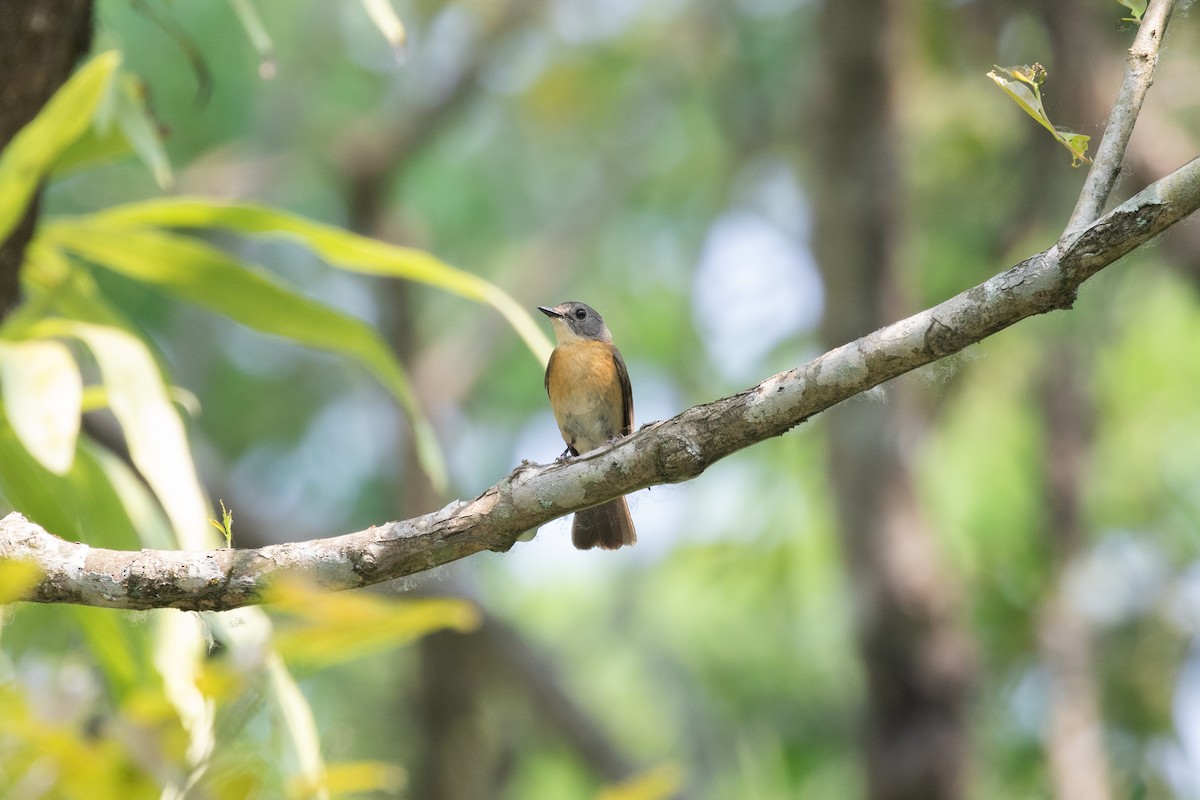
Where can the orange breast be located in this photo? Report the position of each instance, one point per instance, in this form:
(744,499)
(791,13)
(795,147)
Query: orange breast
(585,393)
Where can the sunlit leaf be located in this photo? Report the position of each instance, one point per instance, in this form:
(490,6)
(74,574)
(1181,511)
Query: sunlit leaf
(43,396)
(179,649)
(218,680)
(353,777)
(32,152)
(81,504)
(56,284)
(141,130)
(122,124)
(1136,7)
(1023,84)
(660,783)
(252,24)
(17,578)
(225,526)
(332,627)
(248,633)
(144,512)
(388,23)
(95,147)
(69,759)
(197,272)
(299,728)
(115,647)
(153,429)
(338,247)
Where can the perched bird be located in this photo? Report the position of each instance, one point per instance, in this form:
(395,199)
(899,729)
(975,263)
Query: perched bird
(592,402)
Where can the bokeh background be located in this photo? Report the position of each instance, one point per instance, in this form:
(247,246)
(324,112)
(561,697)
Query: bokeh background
(980,580)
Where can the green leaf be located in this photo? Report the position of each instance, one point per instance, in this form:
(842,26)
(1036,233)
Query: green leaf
(136,500)
(225,526)
(332,628)
(302,741)
(153,430)
(252,24)
(340,248)
(141,130)
(660,783)
(43,396)
(1023,84)
(54,284)
(33,151)
(385,19)
(83,504)
(353,777)
(16,578)
(204,275)
(123,124)
(93,148)
(1136,7)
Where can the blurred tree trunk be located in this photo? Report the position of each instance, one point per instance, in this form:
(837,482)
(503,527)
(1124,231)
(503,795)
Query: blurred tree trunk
(1075,734)
(1074,743)
(40,41)
(468,681)
(916,660)
(461,757)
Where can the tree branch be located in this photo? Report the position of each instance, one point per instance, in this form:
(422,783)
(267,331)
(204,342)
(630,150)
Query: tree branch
(1110,154)
(671,451)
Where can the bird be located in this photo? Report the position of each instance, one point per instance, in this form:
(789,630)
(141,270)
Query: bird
(592,401)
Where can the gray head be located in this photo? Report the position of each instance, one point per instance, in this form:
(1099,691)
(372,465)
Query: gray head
(574,320)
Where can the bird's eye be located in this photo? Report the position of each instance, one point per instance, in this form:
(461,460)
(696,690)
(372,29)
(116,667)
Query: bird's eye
(580,313)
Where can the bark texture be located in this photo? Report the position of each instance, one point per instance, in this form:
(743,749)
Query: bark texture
(670,451)
(40,41)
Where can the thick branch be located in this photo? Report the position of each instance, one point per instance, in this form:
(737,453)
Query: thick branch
(671,451)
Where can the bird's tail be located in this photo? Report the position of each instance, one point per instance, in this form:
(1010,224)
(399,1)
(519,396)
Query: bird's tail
(608,526)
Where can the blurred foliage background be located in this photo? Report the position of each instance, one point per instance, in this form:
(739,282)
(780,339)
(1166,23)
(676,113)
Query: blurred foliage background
(670,164)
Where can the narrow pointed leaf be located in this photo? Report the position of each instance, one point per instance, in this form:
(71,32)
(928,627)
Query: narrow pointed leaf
(201,274)
(322,629)
(43,397)
(388,23)
(32,152)
(252,24)
(153,429)
(1023,85)
(140,129)
(338,247)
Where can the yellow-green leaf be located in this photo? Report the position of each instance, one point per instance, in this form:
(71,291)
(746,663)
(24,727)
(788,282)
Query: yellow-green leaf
(1023,84)
(122,123)
(385,19)
(1136,7)
(353,777)
(43,397)
(141,129)
(329,628)
(303,742)
(197,272)
(660,783)
(33,151)
(153,429)
(340,248)
(252,24)
(17,578)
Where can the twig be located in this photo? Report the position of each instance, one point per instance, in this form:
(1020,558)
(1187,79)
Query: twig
(672,451)
(1139,74)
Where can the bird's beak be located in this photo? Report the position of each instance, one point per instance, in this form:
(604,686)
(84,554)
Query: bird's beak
(553,313)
